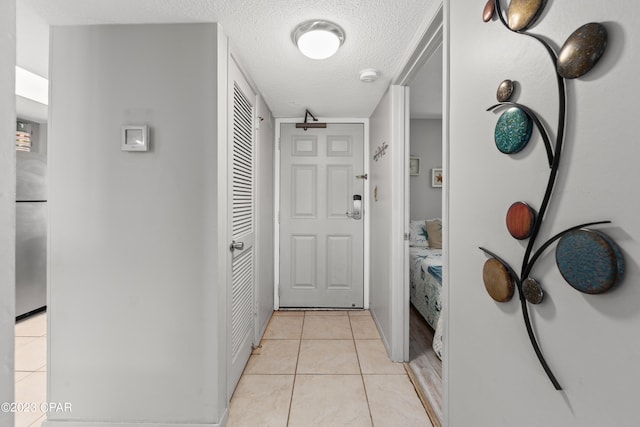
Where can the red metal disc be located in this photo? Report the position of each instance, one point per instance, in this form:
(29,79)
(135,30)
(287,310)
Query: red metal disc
(520,220)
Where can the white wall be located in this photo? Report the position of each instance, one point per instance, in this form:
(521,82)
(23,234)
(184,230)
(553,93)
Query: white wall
(7,204)
(32,39)
(426,143)
(380,217)
(265,162)
(387,219)
(590,341)
(32,54)
(134,298)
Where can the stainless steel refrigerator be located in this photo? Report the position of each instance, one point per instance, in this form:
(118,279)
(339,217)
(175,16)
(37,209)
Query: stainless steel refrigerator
(31,223)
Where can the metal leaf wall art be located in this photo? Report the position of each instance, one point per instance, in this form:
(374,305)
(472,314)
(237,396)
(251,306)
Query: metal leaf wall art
(587,259)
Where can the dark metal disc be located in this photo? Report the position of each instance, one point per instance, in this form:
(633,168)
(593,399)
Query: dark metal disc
(532,291)
(582,50)
(505,90)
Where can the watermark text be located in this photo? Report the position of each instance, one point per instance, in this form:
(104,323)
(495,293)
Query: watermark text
(46,407)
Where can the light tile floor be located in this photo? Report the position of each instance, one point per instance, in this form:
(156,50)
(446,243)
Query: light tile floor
(31,369)
(315,368)
(325,369)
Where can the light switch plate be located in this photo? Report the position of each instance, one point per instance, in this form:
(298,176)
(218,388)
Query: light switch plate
(135,138)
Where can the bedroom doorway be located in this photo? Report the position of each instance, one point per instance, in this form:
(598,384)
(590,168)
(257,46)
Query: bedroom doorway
(425,190)
(425,251)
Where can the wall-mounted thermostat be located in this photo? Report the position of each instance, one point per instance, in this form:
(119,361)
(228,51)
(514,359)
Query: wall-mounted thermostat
(135,138)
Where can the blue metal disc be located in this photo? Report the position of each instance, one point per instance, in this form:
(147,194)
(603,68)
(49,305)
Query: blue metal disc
(618,253)
(513,130)
(589,261)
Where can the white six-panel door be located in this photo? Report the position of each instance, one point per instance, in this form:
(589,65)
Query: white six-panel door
(321,248)
(242,227)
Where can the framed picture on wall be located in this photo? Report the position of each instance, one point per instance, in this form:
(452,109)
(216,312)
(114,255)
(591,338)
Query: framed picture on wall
(436,177)
(414,165)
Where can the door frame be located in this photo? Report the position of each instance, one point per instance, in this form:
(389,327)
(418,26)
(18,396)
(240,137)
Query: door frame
(276,204)
(7,207)
(435,34)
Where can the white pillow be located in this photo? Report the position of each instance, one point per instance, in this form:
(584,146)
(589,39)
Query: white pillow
(418,234)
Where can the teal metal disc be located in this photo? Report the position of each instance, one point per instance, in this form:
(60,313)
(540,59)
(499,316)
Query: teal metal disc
(513,130)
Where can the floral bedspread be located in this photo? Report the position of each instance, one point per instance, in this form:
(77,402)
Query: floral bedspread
(426,284)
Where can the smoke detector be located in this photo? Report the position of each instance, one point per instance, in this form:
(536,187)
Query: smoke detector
(369,75)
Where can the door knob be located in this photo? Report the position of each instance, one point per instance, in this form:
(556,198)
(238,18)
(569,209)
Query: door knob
(236,245)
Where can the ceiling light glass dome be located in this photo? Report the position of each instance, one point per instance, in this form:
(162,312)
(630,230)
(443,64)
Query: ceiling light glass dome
(318,39)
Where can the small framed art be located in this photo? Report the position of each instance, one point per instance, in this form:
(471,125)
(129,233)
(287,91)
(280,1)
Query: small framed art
(436,177)
(135,138)
(414,165)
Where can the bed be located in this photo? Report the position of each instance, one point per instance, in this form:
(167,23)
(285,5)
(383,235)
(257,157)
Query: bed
(425,278)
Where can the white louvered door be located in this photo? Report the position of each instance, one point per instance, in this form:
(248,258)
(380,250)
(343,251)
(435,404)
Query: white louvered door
(241,216)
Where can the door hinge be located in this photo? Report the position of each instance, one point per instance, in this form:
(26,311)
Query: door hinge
(279,142)
(406,236)
(278,217)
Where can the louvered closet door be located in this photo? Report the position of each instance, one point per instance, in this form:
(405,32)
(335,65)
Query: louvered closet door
(241,215)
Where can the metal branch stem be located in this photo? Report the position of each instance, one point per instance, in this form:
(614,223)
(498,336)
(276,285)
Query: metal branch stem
(527,320)
(562,112)
(548,243)
(554,161)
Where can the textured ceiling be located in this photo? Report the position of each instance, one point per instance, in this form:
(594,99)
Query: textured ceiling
(380,34)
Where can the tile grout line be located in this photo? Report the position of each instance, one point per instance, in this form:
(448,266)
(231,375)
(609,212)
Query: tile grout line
(41,419)
(364,387)
(295,372)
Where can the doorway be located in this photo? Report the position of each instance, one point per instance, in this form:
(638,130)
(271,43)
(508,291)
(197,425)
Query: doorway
(321,220)
(425,252)
(426,201)
(31,213)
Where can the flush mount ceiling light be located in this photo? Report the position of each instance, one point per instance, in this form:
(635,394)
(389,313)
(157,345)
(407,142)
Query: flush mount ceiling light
(318,39)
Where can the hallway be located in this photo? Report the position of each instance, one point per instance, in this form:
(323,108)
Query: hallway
(324,368)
